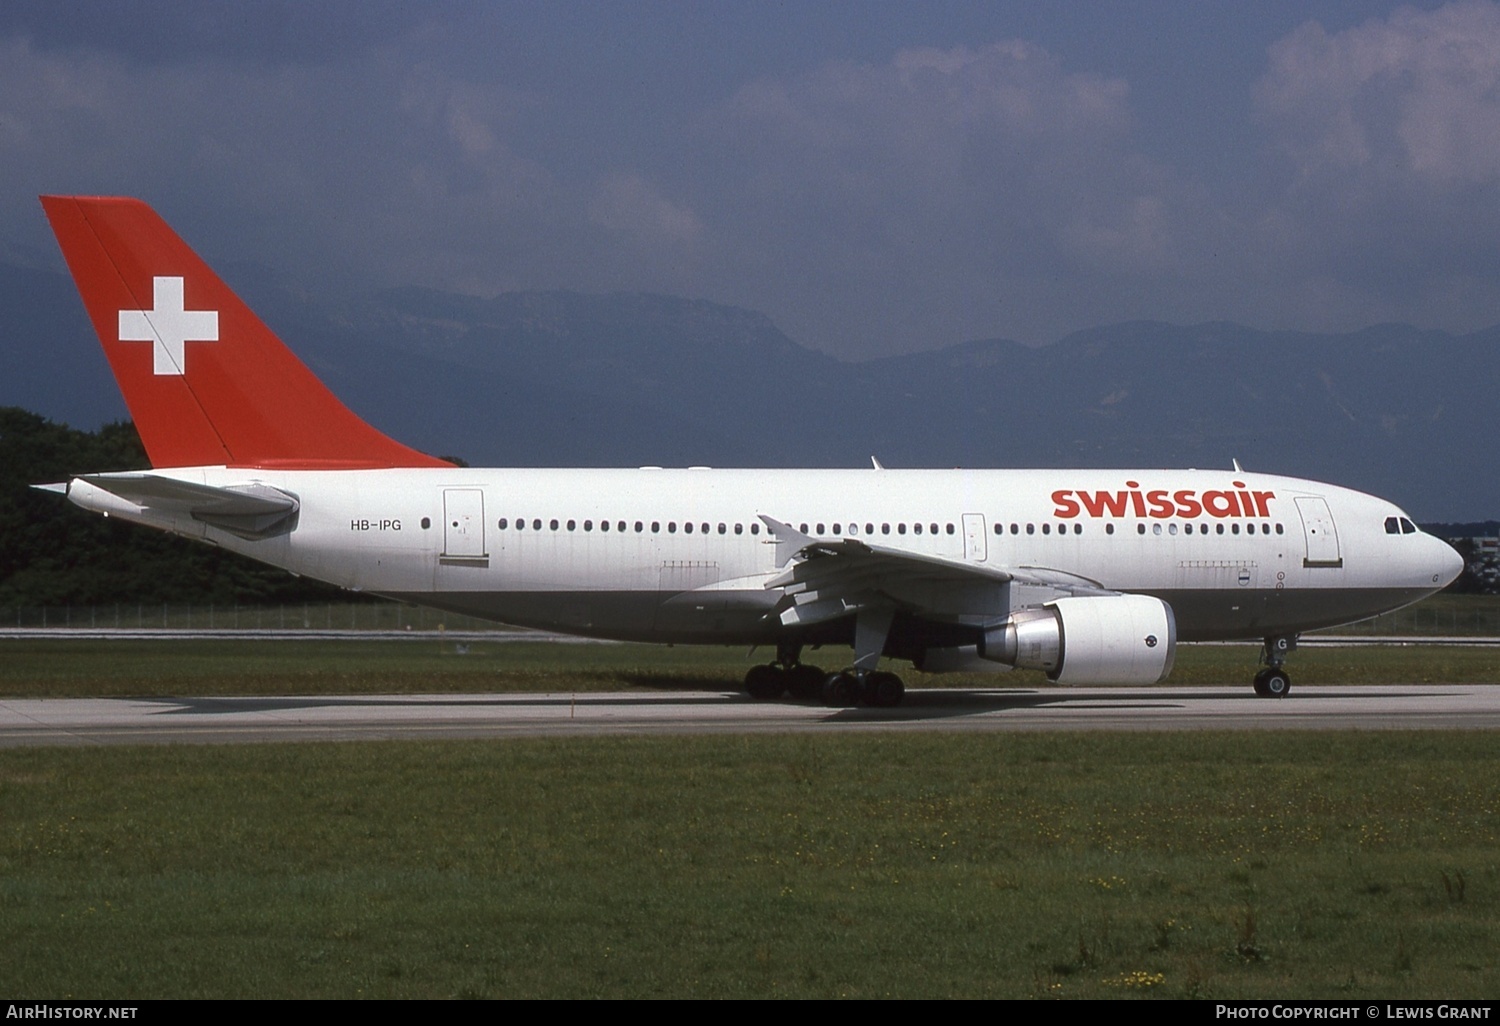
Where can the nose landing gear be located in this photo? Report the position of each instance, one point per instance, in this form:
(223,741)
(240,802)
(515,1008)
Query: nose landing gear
(1273,681)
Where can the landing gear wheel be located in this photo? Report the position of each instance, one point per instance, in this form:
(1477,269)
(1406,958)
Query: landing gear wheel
(805,682)
(1272,684)
(1278,684)
(765,683)
(883,690)
(841,690)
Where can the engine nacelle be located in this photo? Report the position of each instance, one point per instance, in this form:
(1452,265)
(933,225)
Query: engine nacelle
(1103,639)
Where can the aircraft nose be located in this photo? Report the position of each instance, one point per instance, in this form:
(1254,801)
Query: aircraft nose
(1447,564)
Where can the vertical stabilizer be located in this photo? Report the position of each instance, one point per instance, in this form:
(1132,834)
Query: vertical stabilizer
(205,380)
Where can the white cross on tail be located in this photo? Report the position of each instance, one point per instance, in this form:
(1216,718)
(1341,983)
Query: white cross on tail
(168,327)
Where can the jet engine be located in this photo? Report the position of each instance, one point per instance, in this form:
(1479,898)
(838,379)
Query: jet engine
(1104,639)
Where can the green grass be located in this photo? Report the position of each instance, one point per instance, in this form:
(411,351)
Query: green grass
(1089,865)
(61,668)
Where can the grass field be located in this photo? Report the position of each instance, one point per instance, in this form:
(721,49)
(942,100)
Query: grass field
(1087,865)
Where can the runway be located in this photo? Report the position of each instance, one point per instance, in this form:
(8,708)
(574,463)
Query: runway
(167,720)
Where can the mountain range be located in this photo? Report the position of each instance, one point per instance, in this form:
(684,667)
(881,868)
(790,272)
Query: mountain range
(567,379)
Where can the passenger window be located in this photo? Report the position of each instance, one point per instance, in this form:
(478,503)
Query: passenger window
(837,529)
(1187,528)
(1046,528)
(1279,529)
(755,529)
(869,529)
(950,528)
(1156,529)
(1171,528)
(1234,528)
(1140,528)
(1077,528)
(916,528)
(426,523)
(1015,528)
(1031,529)
(885,528)
(723,529)
(934,528)
(502,523)
(900,528)
(1109,528)
(572,524)
(656,527)
(552,524)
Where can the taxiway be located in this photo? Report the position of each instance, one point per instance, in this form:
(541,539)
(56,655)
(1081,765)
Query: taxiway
(171,720)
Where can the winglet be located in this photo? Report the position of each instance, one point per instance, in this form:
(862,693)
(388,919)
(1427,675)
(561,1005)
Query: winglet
(206,381)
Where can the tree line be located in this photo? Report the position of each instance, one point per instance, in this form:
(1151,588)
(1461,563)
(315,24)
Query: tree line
(54,554)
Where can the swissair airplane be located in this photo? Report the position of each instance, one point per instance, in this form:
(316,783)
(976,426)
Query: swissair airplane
(1092,576)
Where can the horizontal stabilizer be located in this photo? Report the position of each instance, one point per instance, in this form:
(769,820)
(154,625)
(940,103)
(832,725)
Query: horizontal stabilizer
(251,510)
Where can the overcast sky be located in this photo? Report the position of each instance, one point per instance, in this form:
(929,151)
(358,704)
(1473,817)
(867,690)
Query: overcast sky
(877,177)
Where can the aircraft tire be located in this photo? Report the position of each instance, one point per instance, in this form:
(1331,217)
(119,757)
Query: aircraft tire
(1260,684)
(765,683)
(805,682)
(884,690)
(841,690)
(1278,684)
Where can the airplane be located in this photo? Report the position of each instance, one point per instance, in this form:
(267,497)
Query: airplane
(1091,576)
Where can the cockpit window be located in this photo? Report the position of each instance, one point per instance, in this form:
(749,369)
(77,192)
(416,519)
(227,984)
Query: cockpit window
(1399,525)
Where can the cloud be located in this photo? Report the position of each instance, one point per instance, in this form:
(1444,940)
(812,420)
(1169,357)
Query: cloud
(1416,96)
(967,188)
(1385,169)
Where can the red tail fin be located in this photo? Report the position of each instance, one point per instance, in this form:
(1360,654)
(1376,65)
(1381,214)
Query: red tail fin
(205,380)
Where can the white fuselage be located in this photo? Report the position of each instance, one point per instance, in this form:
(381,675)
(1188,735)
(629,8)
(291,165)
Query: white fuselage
(684,556)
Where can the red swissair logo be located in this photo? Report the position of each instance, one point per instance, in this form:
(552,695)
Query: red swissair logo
(1162,504)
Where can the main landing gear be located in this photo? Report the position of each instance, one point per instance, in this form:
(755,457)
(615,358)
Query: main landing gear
(1273,682)
(875,688)
(861,684)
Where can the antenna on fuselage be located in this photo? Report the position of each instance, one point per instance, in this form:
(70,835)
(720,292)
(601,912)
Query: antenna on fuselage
(876,463)
(1237,468)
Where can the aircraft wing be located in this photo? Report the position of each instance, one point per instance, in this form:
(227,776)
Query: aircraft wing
(250,510)
(824,579)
